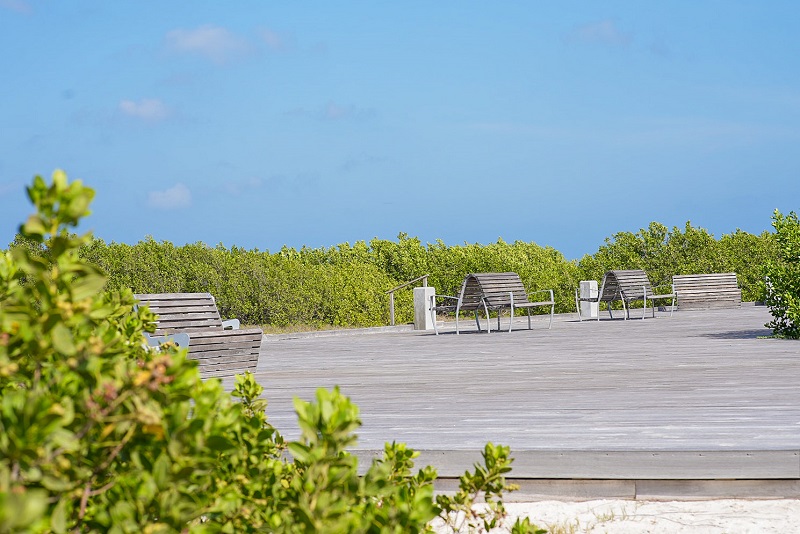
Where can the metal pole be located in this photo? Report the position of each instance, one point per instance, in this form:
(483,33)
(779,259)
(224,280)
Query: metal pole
(391,309)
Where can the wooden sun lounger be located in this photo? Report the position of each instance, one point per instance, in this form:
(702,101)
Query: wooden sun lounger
(702,291)
(625,286)
(220,347)
(490,292)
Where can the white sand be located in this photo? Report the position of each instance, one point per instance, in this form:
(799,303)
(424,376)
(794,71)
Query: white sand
(729,516)
(629,517)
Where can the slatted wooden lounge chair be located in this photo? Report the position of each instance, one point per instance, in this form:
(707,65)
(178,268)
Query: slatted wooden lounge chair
(491,292)
(625,286)
(221,347)
(703,291)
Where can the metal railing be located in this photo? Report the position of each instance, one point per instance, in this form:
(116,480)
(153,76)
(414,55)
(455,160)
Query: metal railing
(424,279)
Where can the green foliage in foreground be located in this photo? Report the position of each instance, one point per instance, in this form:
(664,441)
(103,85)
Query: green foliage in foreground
(99,433)
(783,275)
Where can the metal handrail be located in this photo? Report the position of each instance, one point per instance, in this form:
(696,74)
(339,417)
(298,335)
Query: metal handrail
(424,279)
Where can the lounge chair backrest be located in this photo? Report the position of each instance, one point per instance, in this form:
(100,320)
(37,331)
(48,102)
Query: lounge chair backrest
(183,312)
(630,283)
(471,294)
(712,290)
(496,288)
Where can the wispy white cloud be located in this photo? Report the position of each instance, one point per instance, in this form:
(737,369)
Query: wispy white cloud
(356,162)
(148,109)
(334,112)
(211,42)
(601,32)
(177,196)
(660,48)
(275,41)
(243,186)
(696,133)
(18,6)
(9,187)
(301,183)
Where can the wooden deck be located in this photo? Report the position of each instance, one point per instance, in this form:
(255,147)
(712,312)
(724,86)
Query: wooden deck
(695,404)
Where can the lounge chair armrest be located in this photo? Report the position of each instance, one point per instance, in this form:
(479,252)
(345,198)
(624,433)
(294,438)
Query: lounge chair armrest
(552,297)
(182,340)
(231,324)
(433,305)
(579,298)
(655,295)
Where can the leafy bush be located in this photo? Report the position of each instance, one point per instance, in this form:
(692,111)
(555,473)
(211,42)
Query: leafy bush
(340,286)
(783,275)
(346,285)
(99,433)
(662,253)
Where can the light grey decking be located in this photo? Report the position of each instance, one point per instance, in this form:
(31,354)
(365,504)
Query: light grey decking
(694,397)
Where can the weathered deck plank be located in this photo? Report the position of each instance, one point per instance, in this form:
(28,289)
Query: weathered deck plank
(695,396)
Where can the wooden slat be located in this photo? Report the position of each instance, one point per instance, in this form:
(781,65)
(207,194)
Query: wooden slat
(188,317)
(181,304)
(172,308)
(172,296)
(228,359)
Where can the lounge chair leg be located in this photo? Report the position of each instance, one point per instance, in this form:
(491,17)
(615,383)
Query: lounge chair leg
(433,314)
(511,321)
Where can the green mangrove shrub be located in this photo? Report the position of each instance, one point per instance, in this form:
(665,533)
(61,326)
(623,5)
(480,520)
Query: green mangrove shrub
(346,285)
(783,277)
(99,433)
(664,252)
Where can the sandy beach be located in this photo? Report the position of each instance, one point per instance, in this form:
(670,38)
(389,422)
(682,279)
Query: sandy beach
(728,516)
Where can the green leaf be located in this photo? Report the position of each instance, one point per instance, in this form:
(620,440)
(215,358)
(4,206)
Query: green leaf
(219,443)
(62,339)
(58,519)
(59,179)
(161,469)
(33,227)
(19,510)
(88,286)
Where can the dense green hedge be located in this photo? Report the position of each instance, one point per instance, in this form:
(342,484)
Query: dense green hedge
(662,252)
(783,275)
(346,285)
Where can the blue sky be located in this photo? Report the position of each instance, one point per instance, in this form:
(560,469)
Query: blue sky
(260,124)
